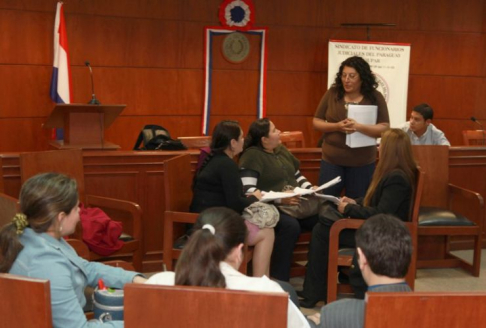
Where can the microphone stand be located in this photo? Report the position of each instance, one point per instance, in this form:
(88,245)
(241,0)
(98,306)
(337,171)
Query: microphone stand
(482,129)
(93,100)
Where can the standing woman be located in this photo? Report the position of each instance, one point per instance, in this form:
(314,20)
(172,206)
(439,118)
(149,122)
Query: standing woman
(390,192)
(267,165)
(217,183)
(354,84)
(33,246)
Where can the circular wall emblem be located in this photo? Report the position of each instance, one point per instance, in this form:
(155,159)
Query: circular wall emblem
(382,86)
(236,47)
(236,14)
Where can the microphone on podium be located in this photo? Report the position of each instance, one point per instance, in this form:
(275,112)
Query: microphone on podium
(482,128)
(93,100)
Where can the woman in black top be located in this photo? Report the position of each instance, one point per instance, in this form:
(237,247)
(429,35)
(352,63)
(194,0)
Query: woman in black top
(390,192)
(217,183)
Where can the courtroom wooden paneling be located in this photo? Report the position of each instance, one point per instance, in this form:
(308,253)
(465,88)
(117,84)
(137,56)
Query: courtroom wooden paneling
(149,55)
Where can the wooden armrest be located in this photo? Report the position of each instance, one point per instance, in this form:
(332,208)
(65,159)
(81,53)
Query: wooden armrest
(336,229)
(475,200)
(120,264)
(122,205)
(80,247)
(466,193)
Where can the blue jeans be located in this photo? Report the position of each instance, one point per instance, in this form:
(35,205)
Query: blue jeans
(355,180)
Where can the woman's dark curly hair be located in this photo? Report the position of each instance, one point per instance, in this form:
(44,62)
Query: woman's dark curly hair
(368,79)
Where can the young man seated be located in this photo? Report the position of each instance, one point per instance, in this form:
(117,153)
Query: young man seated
(384,247)
(421,130)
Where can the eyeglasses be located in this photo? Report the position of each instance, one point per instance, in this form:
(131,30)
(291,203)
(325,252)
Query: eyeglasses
(351,76)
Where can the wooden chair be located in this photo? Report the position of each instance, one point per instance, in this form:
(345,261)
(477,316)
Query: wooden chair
(196,142)
(70,162)
(343,258)
(1,175)
(25,302)
(148,306)
(292,139)
(474,137)
(439,217)
(178,197)
(9,206)
(424,310)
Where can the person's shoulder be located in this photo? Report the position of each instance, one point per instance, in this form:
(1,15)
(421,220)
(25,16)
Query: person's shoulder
(397,176)
(251,153)
(343,313)
(166,278)
(255,284)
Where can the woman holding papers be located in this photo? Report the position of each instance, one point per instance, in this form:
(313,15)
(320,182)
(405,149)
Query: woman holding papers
(355,84)
(217,183)
(212,257)
(268,166)
(390,192)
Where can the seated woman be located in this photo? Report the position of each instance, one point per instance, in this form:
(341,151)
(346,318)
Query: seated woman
(267,165)
(217,183)
(33,246)
(390,192)
(212,256)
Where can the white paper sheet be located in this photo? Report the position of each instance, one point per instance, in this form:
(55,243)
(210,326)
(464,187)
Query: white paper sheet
(364,114)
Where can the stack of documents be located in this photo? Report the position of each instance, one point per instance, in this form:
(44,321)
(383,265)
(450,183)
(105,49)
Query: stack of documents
(273,195)
(364,114)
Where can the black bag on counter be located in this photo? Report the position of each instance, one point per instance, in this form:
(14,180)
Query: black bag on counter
(156,137)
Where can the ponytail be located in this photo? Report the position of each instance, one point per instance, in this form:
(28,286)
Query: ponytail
(10,246)
(198,264)
(217,232)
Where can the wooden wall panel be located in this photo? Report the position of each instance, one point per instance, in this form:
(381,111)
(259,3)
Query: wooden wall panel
(288,12)
(296,49)
(148,55)
(23,134)
(118,41)
(26,37)
(462,94)
(294,93)
(25,91)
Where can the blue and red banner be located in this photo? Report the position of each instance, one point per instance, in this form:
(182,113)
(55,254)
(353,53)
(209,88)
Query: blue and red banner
(209,32)
(61,73)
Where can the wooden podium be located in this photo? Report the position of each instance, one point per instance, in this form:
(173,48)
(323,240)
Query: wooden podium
(84,125)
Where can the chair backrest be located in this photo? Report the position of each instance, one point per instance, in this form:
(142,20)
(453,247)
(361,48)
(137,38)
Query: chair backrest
(196,142)
(148,306)
(178,183)
(434,161)
(69,161)
(413,227)
(9,206)
(2,188)
(474,137)
(420,310)
(25,302)
(292,139)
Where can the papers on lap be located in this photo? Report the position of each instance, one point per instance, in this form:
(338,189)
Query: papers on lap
(364,114)
(273,195)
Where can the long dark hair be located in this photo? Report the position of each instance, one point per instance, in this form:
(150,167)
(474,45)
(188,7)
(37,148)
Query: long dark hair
(198,264)
(223,133)
(258,129)
(42,198)
(368,80)
(395,154)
